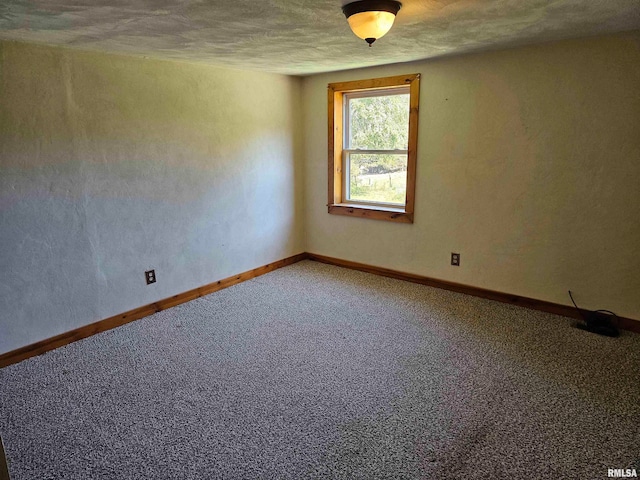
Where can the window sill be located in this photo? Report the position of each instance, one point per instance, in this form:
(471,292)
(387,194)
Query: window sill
(375,213)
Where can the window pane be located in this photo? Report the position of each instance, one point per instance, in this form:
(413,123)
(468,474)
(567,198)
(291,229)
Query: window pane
(379,123)
(380,178)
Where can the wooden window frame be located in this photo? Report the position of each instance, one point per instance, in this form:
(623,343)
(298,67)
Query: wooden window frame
(337,205)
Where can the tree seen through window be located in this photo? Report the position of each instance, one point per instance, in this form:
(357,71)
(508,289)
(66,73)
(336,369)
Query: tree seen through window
(378,132)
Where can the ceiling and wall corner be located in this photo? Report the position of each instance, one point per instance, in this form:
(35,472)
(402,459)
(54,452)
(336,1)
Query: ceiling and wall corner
(302,37)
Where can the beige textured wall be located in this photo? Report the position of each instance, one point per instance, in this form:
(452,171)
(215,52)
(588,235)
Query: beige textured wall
(528,165)
(111,165)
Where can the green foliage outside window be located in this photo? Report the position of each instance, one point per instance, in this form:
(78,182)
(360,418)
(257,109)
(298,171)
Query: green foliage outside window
(378,123)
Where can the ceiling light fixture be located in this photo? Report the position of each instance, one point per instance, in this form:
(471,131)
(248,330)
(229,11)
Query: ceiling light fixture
(371,19)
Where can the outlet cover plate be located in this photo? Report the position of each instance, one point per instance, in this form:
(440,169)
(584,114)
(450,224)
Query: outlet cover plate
(150,275)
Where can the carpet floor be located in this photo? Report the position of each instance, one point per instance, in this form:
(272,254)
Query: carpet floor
(319,372)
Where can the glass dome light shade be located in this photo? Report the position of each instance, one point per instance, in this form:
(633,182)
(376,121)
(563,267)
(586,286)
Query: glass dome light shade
(371,24)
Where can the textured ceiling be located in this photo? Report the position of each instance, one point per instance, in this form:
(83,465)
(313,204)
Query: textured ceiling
(302,37)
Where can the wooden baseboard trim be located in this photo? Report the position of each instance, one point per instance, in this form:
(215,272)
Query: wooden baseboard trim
(52,343)
(542,305)
(48,344)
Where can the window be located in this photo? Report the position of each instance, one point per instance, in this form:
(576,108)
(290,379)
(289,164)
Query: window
(373,131)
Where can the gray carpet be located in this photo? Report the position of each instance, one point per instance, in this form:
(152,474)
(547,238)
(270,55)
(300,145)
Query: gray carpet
(314,371)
